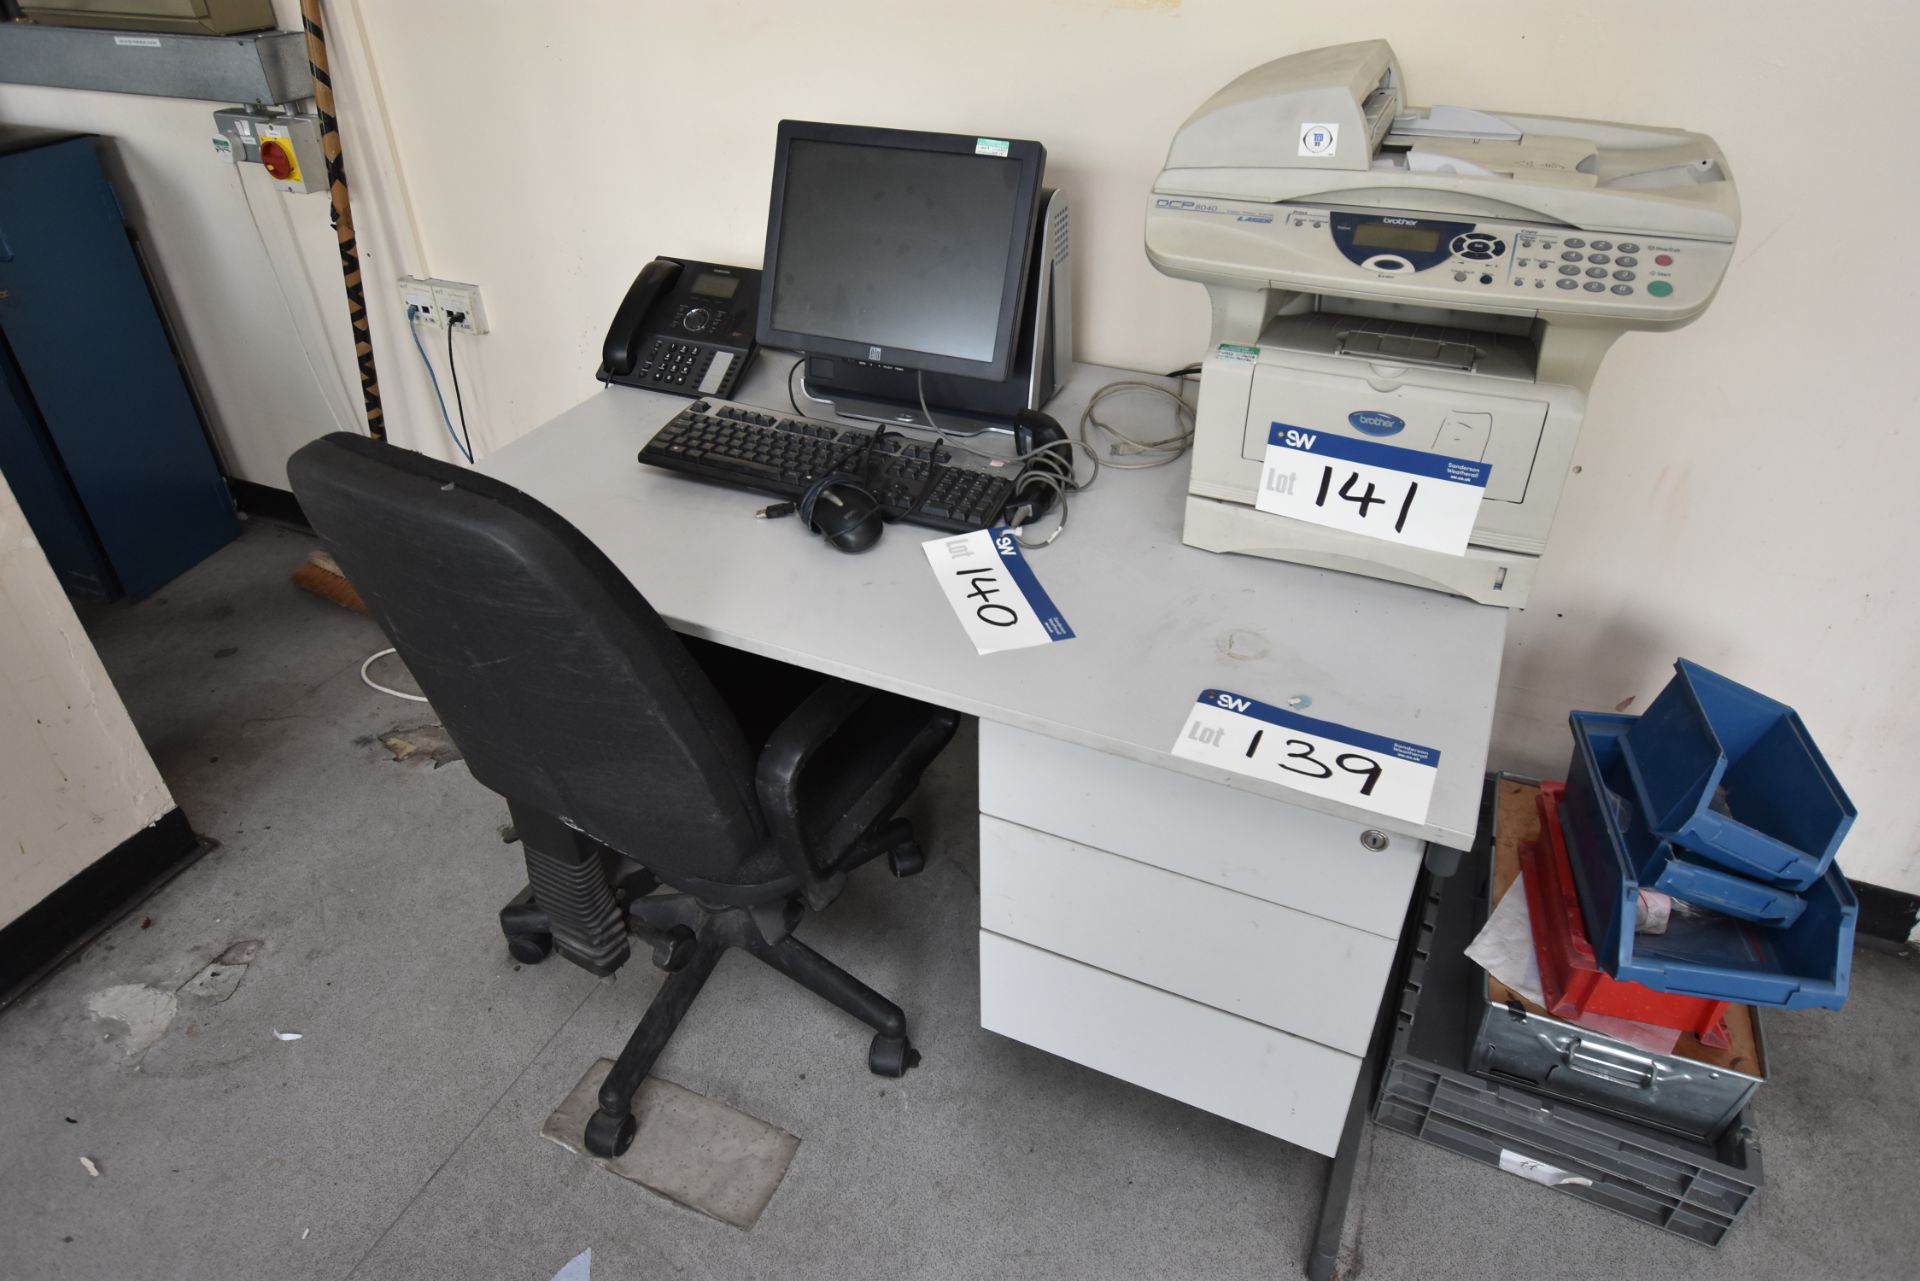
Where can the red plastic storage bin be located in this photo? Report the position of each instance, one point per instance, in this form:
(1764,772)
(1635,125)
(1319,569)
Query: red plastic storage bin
(1570,978)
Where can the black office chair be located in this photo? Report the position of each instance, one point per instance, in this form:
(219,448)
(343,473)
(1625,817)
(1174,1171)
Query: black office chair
(629,759)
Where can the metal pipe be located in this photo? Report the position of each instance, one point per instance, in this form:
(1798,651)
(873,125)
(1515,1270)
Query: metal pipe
(315,25)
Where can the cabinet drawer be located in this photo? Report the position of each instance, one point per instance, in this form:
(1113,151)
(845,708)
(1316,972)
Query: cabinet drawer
(1214,833)
(1281,1085)
(1289,970)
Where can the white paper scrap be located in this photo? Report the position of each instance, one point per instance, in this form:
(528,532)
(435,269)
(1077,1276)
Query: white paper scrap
(1504,946)
(1540,1172)
(287,1036)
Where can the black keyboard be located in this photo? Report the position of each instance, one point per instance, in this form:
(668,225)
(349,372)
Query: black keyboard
(773,454)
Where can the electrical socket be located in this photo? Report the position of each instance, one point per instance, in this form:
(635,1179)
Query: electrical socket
(455,299)
(418,295)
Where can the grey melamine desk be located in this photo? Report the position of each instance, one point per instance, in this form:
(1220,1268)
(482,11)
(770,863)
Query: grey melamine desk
(1148,916)
(1156,621)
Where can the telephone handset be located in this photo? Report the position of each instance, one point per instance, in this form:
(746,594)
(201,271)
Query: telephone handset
(685,327)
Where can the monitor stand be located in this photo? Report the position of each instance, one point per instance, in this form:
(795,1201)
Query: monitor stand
(1043,354)
(848,403)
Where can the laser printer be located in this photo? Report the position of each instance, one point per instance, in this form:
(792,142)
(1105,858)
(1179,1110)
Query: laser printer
(1428,289)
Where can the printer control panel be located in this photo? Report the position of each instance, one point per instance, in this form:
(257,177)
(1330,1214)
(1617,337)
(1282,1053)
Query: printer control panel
(1495,262)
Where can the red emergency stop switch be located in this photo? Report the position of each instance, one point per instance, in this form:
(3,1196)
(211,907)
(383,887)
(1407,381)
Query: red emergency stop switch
(277,159)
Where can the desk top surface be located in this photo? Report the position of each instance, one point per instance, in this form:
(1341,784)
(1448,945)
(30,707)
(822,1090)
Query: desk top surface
(1155,621)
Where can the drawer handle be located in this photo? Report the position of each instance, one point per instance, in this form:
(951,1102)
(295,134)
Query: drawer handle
(1611,1064)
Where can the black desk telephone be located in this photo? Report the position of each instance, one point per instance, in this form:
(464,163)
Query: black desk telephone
(684,327)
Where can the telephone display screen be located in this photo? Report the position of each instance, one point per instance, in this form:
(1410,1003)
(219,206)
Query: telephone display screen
(710,284)
(1381,235)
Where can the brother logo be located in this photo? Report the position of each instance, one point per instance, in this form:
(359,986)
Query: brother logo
(1375,423)
(1402,222)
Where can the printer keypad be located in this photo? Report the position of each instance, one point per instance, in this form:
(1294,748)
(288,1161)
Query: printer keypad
(1596,271)
(1625,260)
(1626,248)
(1574,242)
(1623,275)
(1599,258)
(1567,284)
(1569,270)
(1603,244)
(1571,256)
(1595,287)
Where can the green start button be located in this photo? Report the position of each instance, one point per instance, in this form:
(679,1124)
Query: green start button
(1660,288)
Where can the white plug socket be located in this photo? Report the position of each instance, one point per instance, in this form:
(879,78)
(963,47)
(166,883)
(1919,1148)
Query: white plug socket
(417,297)
(463,301)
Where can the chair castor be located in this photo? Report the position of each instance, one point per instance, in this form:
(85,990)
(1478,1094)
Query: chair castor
(609,1136)
(906,859)
(530,949)
(891,1055)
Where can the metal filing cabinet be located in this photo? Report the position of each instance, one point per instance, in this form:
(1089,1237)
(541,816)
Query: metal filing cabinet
(99,437)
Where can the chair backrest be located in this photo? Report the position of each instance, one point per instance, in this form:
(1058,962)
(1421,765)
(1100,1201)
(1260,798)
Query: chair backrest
(561,686)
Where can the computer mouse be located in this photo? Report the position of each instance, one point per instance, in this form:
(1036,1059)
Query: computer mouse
(845,514)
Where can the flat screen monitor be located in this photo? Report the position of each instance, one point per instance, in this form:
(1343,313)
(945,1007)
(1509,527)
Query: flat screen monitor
(900,248)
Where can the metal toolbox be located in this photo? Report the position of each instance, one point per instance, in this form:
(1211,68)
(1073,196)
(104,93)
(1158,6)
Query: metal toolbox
(1685,1095)
(1697,1090)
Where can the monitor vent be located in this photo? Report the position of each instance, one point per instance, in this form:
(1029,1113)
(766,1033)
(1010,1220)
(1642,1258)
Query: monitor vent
(1060,235)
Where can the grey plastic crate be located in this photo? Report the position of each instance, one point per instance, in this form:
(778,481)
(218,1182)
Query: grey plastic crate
(1690,1188)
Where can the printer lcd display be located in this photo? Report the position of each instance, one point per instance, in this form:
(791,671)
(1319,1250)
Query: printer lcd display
(1380,235)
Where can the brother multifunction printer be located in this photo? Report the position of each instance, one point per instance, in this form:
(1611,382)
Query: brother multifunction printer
(1409,307)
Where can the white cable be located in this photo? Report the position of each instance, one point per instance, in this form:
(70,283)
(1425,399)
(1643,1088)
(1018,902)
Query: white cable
(1155,453)
(286,303)
(920,386)
(1152,453)
(350,393)
(386,689)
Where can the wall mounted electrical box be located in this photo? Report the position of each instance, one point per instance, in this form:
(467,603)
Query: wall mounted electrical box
(443,304)
(286,144)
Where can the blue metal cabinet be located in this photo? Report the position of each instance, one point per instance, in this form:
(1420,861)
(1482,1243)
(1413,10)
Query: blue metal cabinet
(99,437)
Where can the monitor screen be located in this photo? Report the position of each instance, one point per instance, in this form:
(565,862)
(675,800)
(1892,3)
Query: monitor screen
(912,244)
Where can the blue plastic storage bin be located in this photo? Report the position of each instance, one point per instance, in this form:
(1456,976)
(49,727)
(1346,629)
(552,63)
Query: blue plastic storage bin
(1733,776)
(1704,885)
(1665,867)
(1803,965)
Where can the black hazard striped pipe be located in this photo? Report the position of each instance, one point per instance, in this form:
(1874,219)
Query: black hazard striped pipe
(342,215)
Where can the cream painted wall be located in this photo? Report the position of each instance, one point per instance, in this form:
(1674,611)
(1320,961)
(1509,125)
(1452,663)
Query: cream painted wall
(1740,497)
(75,779)
(221,279)
(1739,493)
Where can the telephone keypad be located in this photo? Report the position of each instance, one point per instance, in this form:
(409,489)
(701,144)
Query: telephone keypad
(673,363)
